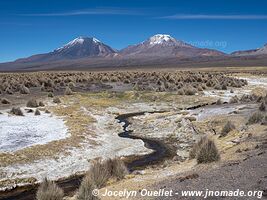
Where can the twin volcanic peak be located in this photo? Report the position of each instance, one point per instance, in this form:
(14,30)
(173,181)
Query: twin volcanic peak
(160,45)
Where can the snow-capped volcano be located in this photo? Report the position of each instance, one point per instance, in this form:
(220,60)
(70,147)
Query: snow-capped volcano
(80,47)
(163,39)
(78,41)
(162,45)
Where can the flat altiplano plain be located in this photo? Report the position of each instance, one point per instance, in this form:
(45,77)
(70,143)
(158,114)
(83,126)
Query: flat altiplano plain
(70,134)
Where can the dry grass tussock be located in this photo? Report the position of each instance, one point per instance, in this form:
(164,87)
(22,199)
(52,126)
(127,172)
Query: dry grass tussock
(99,174)
(48,190)
(49,82)
(205,151)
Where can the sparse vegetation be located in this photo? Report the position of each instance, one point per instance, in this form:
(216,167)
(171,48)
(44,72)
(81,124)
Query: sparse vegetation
(68,91)
(99,174)
(16,111)
(32,103)
(262,107)
(204,151)
(86,188)
(229,126)
(255,118)
(208,152)
(48,190)
(37,112)
(5,101)
(56,100)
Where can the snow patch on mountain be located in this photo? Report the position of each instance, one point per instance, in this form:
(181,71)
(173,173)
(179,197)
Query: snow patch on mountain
(160,39)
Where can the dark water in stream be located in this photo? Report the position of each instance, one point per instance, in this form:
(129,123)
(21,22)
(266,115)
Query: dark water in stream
(70,185)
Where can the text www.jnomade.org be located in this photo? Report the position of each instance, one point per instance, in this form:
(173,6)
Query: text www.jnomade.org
(185,193)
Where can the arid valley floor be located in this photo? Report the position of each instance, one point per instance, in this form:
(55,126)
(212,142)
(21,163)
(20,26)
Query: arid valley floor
(56,125)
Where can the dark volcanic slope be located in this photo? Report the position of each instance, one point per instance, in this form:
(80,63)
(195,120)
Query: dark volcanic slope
(80,47)
(161,45)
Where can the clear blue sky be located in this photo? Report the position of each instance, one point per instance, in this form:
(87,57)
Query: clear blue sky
(36,26)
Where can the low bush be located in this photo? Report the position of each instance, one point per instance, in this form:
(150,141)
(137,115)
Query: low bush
(234,100)
(229,126)
(5,101)
(32,103)
(193,152)
(50,94)
(86,189)
(208,152)
(24,90)
(262,107)
(37,112)
(255,118)
(16,111)
(48,190)
(56,100)
(68,91)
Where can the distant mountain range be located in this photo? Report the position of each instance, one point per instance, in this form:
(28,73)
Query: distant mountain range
(160,49)
(259,51)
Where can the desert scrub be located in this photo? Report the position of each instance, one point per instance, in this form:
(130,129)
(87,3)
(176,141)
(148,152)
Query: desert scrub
(50,94)
(16,111)
(37,112)
(68,91)
(118,168)
(24,90)
(208,152)
(262,107)
(5,101)
(56,100)
(204,151)
(234,99)
(48,190)
(193,152)
(32,103)
(86,188)
(101,172)
(229,126)
(255,118)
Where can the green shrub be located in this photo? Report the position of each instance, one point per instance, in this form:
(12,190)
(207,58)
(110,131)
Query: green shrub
(48,190)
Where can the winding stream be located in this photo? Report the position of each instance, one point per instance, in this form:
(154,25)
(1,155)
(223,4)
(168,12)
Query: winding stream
(70,185)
